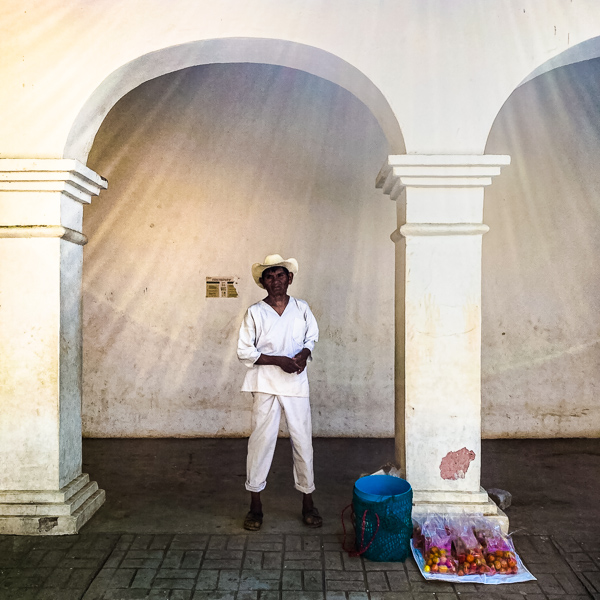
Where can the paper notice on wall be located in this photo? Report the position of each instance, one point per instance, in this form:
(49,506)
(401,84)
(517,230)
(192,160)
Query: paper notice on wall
(221,287)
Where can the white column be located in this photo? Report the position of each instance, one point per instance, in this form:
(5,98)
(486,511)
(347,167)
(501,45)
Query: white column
(42,488)
(438,326)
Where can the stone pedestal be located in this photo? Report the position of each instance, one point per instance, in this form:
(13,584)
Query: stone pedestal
(42,488)
(438,326)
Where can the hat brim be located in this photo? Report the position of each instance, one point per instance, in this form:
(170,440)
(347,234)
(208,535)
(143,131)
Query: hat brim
(291,264)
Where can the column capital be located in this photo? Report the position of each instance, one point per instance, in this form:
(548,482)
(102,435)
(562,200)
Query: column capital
(44,197)
(67,176)
(438,171)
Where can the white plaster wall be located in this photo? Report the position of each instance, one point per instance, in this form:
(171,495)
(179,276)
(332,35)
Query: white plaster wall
(210,169)
(195,158)
(541,266)
(444,67)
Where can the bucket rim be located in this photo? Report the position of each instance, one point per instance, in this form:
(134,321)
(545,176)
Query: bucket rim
(369,495)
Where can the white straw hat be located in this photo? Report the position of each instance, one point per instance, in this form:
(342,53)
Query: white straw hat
(273,260)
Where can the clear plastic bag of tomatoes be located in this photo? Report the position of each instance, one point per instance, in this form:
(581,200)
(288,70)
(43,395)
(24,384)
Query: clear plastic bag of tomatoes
(499,550)
(467,550)
(475,543)
(437,546)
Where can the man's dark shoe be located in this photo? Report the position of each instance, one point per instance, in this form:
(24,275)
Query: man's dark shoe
(312,518)
(253,521)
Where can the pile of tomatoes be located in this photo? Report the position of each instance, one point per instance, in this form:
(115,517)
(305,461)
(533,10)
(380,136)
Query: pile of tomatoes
(502,561)
(438,560)
(464,547)
(472,561)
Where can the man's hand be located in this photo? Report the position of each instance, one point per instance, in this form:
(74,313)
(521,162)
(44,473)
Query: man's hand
(301,358)
(289,365)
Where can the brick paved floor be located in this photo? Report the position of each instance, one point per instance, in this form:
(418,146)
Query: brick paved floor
(134,547)
(267,567)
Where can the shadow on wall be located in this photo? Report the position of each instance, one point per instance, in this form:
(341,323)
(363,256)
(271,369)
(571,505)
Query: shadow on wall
(541,265)
(210,169)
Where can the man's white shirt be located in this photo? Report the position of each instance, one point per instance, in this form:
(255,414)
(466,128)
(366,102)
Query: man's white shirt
(263,331)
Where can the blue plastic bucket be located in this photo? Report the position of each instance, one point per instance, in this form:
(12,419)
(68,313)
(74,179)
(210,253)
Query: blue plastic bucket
(382,506)
(375,488)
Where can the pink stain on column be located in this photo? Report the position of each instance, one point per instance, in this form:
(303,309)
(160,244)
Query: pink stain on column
(456,464)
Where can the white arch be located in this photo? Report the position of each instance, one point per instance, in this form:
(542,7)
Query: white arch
(584,51)
(227,50)
(587,50)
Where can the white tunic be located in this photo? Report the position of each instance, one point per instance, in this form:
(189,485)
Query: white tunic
(263,331)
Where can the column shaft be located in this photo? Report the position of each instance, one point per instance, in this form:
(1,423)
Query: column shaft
(438,325)
(442,360)
(42,488)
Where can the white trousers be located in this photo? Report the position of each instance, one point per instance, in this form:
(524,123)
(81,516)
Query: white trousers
(266,414)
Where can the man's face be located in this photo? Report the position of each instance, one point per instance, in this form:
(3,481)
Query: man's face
(276,280)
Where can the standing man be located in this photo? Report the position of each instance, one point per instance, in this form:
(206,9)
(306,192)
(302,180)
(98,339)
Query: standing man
(276,339)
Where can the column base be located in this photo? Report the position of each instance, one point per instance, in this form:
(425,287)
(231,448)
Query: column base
(467,503)
(60,512)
